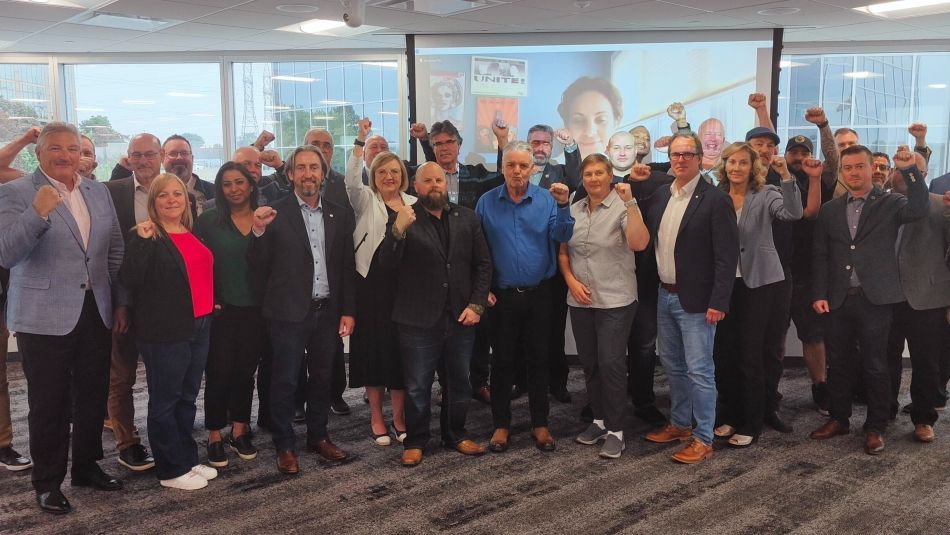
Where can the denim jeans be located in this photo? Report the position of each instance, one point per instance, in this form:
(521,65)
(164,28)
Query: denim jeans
(446,347)
(173,371)
(685,346)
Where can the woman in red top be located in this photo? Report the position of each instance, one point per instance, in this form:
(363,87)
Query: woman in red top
(169,274)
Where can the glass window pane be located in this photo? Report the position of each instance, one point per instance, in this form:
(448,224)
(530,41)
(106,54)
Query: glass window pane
(24,103)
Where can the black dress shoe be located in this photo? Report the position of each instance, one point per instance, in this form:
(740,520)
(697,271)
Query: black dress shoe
(561,394)
(93,476)
(300,416)
(772,420)
(651,415)
(53,502)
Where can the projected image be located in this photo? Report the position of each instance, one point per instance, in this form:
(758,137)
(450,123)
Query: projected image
(492,110)
(447,97)
(594,91)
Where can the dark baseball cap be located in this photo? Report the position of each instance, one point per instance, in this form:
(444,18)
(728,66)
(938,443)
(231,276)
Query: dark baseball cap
(761,131)
(800,141)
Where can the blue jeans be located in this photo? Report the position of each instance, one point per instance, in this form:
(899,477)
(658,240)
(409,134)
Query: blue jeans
(685,345)
(173,371)
(447,346)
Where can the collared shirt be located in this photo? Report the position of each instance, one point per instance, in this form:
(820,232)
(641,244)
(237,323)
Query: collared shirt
(521,235)
(313,220)
(600,257)
(76,204)
(452,180)
(853,210)
(140,200)
(441,227)
(670,228)
(538,175)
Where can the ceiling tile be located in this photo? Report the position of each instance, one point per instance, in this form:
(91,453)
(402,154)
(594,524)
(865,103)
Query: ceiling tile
(250,19)
(811,14)
(160,9)
(82,30)
(23,25)
(22,10)
(715,5)
(211,31)
(569,6)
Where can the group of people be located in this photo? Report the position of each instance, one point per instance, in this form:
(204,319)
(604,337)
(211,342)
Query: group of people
(448,272)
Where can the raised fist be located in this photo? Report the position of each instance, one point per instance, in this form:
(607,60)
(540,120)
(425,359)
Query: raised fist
(418,130)
(405,217)
(780,167)
(639,172)
(813,168)
(904,160)
(271,158)
(46,200)
(623,191)
(364,125)
(86,166)
(757,100)
(31,135)
(263,139)
(919,131)
(676,111)
(564,136)
(145,229)
(263,216)
(559,192)
(662,143)
(124,162)
(815,115)
(500,130)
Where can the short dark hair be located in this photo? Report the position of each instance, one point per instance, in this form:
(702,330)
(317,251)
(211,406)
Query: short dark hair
(540,128)
(855,149)
(691,136)
(881,155)
(177,137)
(590,83)
(845,130)
(221,202)
(445,127)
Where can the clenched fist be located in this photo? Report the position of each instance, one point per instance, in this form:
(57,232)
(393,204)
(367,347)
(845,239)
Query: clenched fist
(418,130)
(263,216)
(904,160)
(263,139)
(500,131)
(564,136)
(559,192)
(271,159)
(813,168)
(757,100)
(46,200)
(30,136)
(623,191)
(919,131)
(405,217)
(815,115)
(145,229)
(639,172)
(364,125)
(86,166)
(676,111)
(781,167)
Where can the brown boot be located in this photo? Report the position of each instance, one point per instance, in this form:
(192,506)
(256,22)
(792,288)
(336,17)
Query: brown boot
(924,433)
(831,428)
(669,433)
(692,453)
(469,447)
(499,440)
(543,439)
(411,456)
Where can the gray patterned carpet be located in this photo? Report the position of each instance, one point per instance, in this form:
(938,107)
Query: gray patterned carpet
(783,484)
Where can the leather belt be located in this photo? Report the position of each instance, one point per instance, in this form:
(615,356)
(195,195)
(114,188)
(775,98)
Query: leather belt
(669,287)
(855,290)
(320,303)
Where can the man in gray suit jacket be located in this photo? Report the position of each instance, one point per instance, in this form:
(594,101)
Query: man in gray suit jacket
(856,282)
(61,241)
(921,320)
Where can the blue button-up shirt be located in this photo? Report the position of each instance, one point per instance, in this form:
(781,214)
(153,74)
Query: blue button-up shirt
(522,236)
(313,220)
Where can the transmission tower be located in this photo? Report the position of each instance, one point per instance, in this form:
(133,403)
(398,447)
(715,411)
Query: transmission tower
(249,126)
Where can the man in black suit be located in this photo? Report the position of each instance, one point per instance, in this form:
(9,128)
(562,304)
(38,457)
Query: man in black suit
(177,158)
(444,271)
(695,239)
(856,282)
(302,250)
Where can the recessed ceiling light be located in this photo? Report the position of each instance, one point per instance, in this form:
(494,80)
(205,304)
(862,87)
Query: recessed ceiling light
(121,21)
(320,25)
(181,94)
(902,9)
(582,4)
(862,74)
(297,8)
(293,78)
(779,11)
(937,86)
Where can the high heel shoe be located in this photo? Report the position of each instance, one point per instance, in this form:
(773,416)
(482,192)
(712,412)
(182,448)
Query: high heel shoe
(400,435)
(382,439)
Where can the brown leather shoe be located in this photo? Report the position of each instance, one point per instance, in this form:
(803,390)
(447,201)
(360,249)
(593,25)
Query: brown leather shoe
(483,394)
(873,443)
(692,453)
(924,433)
(469,447)
(499,440)
(831,428)
(669,433)
(287,462)
(411,456)
(543,439)
(327,450)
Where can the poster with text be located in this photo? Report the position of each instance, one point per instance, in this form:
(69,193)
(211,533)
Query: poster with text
(503,77)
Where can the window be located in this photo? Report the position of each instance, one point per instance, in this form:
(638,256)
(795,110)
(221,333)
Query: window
(113,102)
(24,103)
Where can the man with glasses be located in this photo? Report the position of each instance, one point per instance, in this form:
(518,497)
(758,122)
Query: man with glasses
(696,242)
(466,183)
(881,169)
(178,159)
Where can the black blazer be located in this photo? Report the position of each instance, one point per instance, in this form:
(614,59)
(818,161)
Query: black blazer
(281,260)
(154,272)
(206,188)
(430,276)
(707,247)
(871,252)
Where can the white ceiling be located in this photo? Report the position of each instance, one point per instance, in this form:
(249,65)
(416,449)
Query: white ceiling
(247,25)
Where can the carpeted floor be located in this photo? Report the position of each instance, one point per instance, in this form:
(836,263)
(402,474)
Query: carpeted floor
(782,484)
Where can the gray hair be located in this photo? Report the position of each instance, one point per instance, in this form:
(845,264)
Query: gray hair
(158,142)
(55,127)
(515,146)
(292,159)
(541,128)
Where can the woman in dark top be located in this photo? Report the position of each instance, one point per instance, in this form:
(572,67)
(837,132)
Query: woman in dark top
(237,331)
(170,275)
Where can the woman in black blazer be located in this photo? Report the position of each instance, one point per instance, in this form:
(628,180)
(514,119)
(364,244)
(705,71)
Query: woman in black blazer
(169,273)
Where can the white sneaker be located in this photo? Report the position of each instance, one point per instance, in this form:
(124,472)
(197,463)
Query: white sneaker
(205,472)
(189,481)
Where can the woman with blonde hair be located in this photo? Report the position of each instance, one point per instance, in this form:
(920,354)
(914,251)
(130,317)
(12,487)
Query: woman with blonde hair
(743,366)
(169,273)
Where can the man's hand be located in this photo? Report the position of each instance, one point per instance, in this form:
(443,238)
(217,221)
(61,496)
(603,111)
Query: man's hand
(405,217)
(640,172)
(919,132)
(815,115)
(714,316)
(781,167)
(492,299)
(904,160)
(623,191)
(469,317)
(757,101)
(813,168)
(271,158)
(559,192)
(821,306)
(564,137)
(46,200)
(124,162)
(263,139)
(579,292)
(364,125)
(145,229)
(263,216)
(500,131)
(662,143)
(347,324)
(120,319)
(86,166)
(31,136)
(676,111)
(418,130)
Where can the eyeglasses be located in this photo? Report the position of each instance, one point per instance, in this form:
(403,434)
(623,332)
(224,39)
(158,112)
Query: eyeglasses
(150,155)
(438,144)
(178,153)
(685,156)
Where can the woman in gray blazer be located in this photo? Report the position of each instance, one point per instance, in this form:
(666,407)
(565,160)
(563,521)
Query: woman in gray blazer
(743,366)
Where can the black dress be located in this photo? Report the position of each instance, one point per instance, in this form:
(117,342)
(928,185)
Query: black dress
(374,345)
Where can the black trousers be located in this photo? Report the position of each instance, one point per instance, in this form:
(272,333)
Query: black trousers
(775,331)
(641,352)
(520,319)
(944,363)
(923,331)
(859,321)
(67,381)
(557,361)
(237,338)
(480,366)
(338,381)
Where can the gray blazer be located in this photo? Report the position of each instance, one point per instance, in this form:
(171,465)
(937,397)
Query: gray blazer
(49,268)
(925,278)
(759,262)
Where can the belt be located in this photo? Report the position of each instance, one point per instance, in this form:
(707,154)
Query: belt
(855,290)
(669,287)
(520,290)
(320,303)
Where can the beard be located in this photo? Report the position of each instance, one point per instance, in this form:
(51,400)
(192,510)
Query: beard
(181,171)
(435,200)
(540,159)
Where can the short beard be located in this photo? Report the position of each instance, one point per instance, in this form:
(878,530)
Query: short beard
(435,201)
(181,171)
(541,161)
